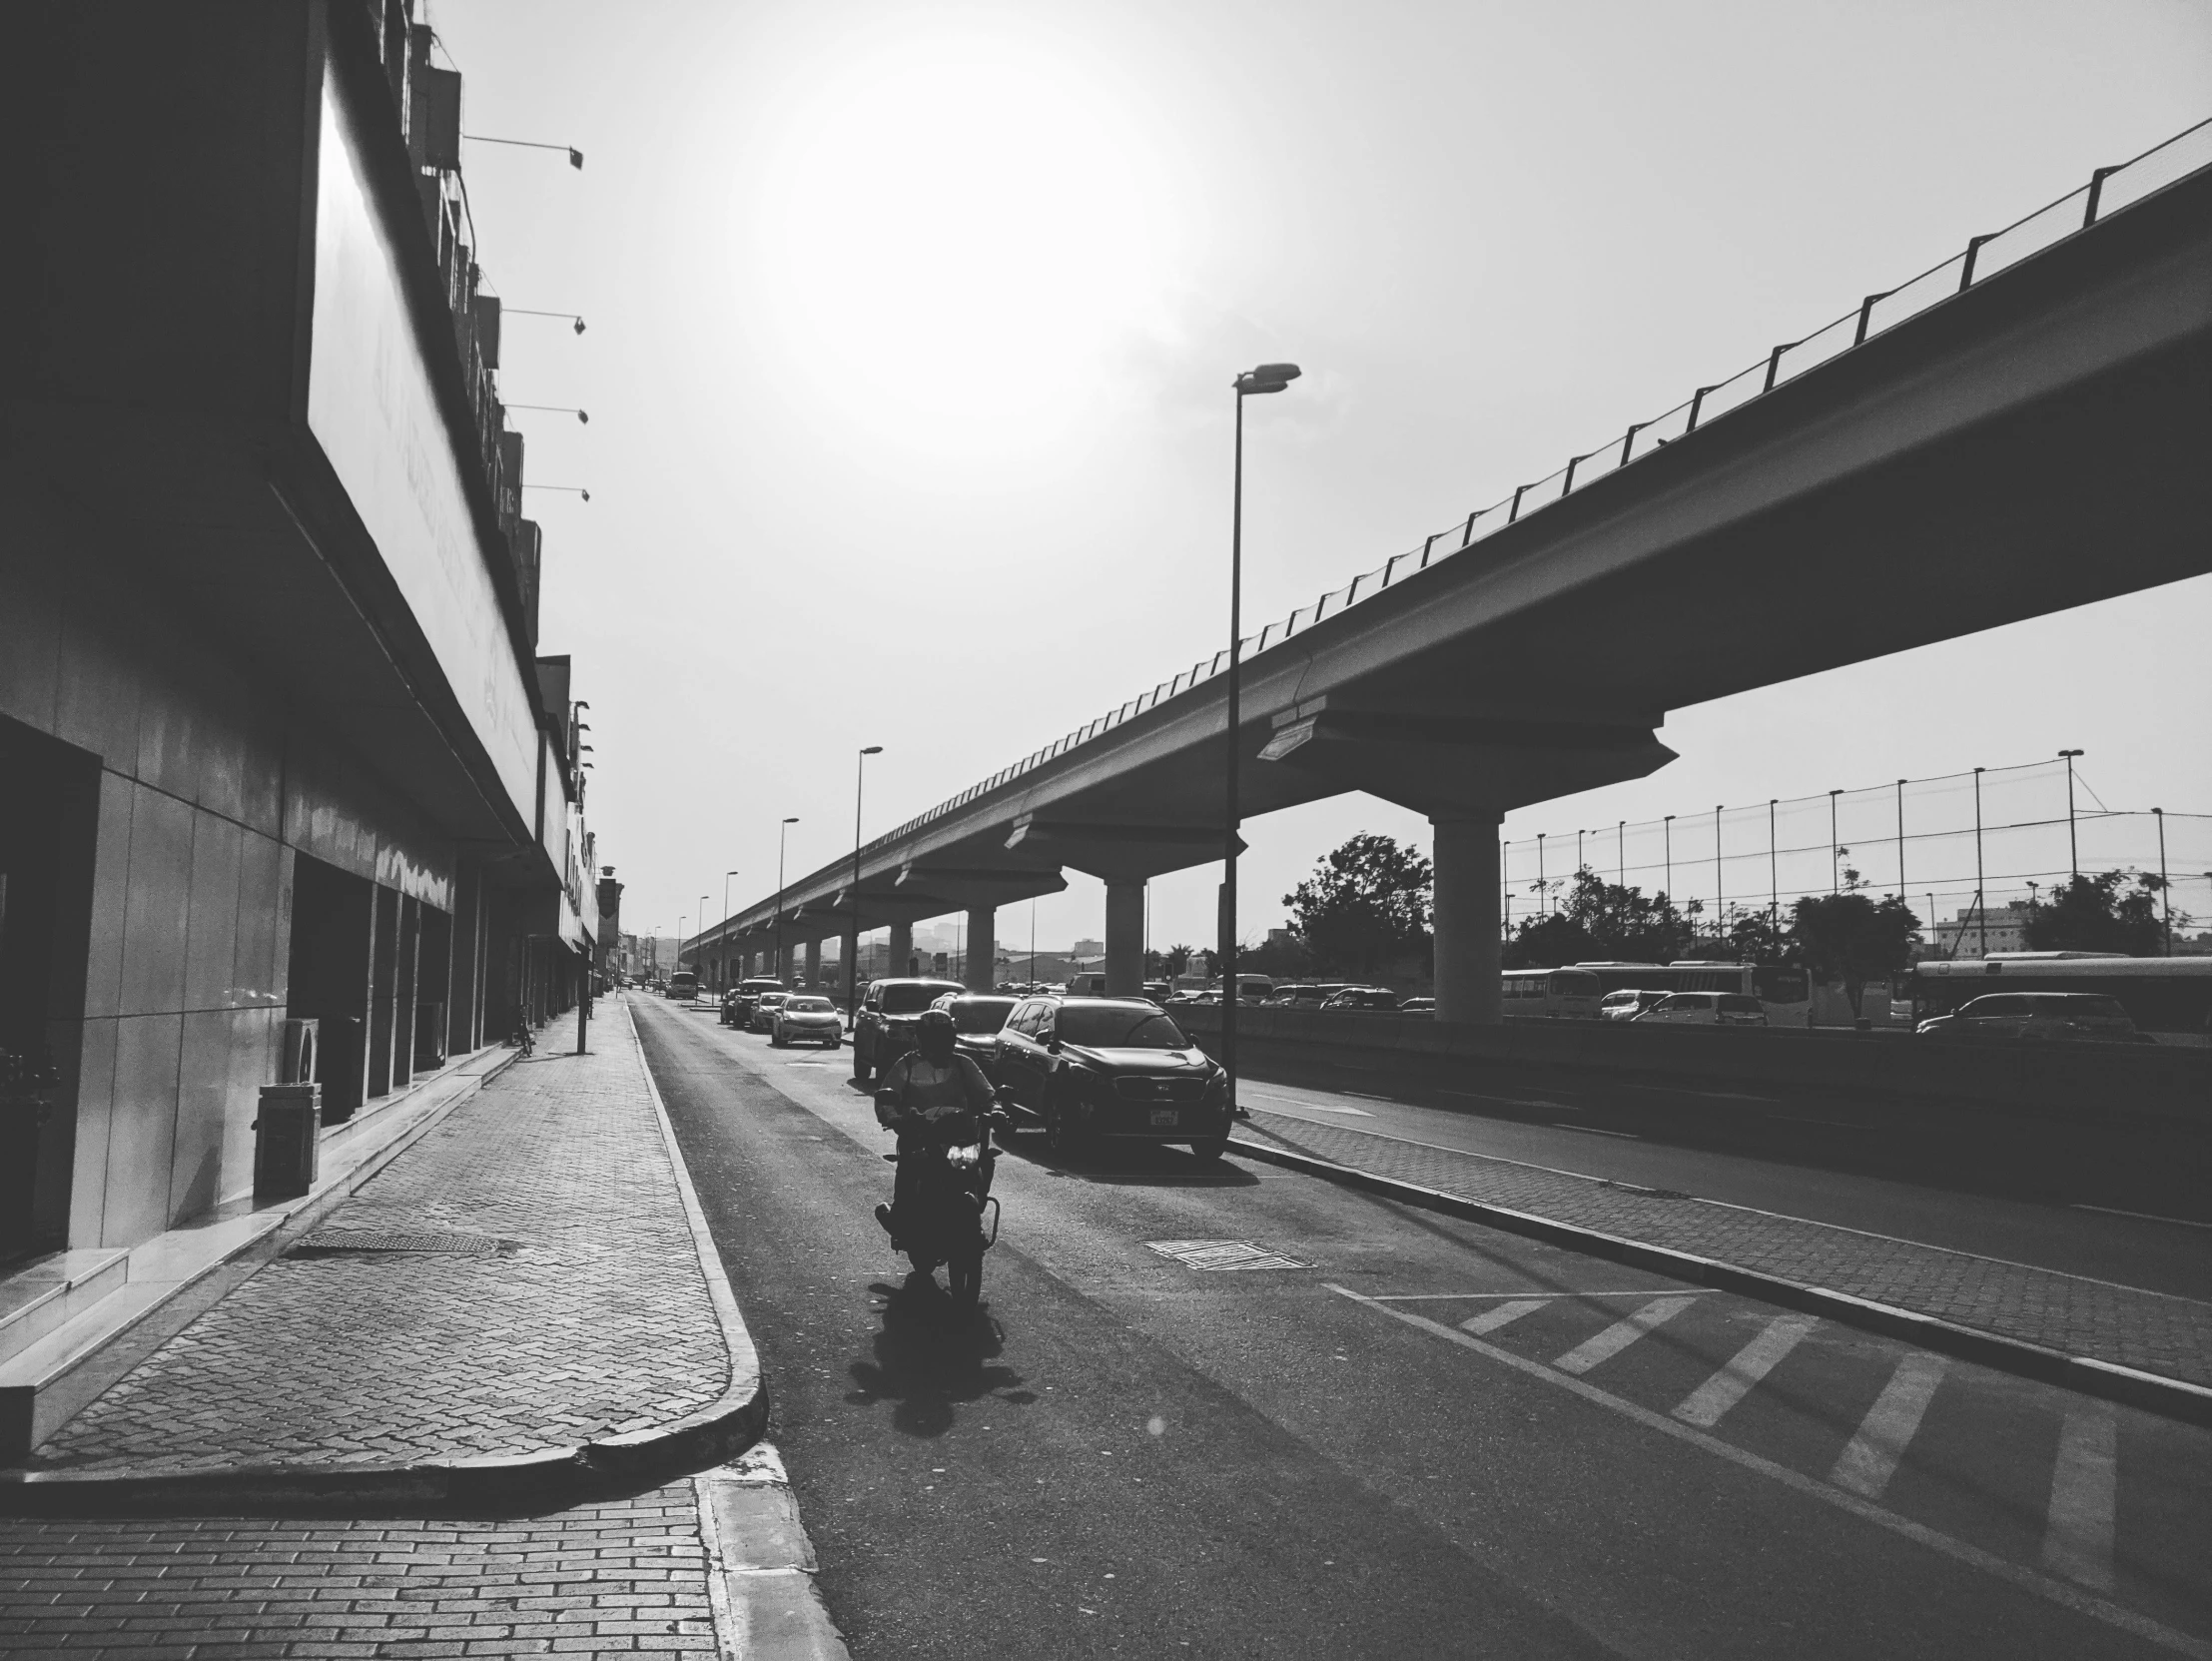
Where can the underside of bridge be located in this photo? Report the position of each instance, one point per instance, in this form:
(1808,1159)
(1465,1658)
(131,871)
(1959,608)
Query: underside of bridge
(2036,441)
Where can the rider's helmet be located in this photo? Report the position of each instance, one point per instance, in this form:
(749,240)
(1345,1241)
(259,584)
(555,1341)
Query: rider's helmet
(933,1036)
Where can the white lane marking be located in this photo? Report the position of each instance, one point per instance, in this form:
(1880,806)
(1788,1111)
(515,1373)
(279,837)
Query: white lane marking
(1705,1404)
(2026,1580)
(2078,1540)
(1464,1297)
(1593,1131)
(1866,1465)
(1621,1334)
(1370,1096)
(2143,1217)
(1491,1320)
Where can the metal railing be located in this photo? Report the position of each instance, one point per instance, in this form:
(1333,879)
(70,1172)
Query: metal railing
(2108,190)
(1966,851)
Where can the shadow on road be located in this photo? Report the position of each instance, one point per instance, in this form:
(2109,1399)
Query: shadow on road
(932,1358)
(1129,1163)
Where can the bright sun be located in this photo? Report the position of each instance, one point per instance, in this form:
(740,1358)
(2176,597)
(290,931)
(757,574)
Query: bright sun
(956,238)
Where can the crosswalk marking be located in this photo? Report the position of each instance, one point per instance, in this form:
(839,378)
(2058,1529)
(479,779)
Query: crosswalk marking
(1491,1320)
(1887,1430)
(2077,1541)
(1621,1335)
(1705,1404)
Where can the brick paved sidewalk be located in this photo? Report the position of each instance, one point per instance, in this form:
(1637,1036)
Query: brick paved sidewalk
(592,1318)
(2147,1330)
(614,1577)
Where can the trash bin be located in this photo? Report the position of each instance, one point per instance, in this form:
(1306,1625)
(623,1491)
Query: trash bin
(285,1141)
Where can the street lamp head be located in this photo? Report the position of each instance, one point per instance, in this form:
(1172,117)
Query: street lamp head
(793,820)
(1268,378)
(872,750)
(2064,754)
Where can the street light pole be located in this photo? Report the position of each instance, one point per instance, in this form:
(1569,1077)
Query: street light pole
(852,968)
(1666,830)
(1267,377)
(2165,892)
(782,831)
(1981,896)
(2074,848)
(699,952)
(1834,877)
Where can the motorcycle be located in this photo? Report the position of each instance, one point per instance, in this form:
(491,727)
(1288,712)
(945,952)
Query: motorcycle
(941,1218)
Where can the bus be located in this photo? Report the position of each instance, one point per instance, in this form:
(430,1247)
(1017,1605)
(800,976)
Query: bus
(2168,997)
(1550,995)
(1783,989)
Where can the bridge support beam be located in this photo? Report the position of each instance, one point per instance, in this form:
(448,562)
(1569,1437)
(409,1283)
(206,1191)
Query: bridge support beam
(980,973)
(902,947)
(1465,916)
(1124,936)
(814,963)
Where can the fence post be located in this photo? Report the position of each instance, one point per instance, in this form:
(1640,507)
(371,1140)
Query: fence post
(1867,312)
(1697,402)
(1515,513)
(1973,253)
(2097,195)
(1773,363)
(1468,535)
(1630,440)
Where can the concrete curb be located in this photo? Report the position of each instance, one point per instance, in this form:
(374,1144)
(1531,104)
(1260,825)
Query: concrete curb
(2170,1398)
(717,1432)
(761,1565)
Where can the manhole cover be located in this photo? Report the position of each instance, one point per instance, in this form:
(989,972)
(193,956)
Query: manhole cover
(334,1241)
(1224,1253)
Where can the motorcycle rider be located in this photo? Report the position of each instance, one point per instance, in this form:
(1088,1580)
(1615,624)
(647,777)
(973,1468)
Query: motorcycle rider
(926,1084)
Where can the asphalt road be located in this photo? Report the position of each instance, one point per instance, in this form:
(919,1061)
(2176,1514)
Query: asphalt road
(1427,1438)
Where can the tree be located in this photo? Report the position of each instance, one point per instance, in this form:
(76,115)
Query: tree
(1176,959)
(1366,904)
(2099,914)
(1600,919)
(1849,938)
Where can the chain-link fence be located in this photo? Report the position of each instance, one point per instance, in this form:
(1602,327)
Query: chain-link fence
(1963,849)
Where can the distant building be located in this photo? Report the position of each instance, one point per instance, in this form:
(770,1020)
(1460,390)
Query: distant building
(1968,935)
(1088,949)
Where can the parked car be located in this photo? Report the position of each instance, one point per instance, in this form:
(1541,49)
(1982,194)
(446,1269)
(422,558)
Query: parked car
(764,1011)
(1418,1006)
(1311,996)
(1706,1008)
(976,1017)
(683,986)
(740,1011)
(1628,1002)
(1361,998)
(883,1026)
(1111,1069)
(2038,1016)
(802,1018)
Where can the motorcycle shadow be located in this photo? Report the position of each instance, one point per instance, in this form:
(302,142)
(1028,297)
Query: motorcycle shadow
(932,1358)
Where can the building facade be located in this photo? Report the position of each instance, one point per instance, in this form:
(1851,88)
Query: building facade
(276,738)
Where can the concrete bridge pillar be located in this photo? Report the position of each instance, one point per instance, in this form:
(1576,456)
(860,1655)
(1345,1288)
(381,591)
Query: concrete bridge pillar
(849,965)
(814,962)
(982,949)
(901,949)
(1124,936)
(1465,918)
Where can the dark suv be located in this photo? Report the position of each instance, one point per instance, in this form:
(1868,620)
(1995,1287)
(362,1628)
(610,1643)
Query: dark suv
(1119,1068)
(739,1003)
(883,1026)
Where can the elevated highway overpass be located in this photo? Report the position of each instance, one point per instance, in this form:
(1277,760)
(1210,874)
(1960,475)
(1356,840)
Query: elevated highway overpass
(2022,430)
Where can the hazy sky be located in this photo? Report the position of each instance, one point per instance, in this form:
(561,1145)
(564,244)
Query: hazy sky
(910,327)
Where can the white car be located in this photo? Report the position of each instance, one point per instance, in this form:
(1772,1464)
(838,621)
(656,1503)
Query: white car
(1707,1009)
(1628,1002)
(800,1018)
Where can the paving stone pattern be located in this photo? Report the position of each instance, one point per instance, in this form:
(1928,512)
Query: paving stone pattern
(604,1579)
(597,1320)
(2149,1330)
